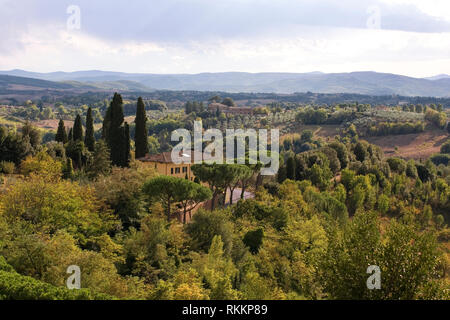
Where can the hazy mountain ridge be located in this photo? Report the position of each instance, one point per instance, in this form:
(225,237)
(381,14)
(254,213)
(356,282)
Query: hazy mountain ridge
(19,83)
(365,82)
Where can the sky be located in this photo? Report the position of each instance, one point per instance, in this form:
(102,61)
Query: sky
(408,37)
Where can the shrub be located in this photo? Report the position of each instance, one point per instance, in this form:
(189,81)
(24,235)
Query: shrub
(253,240)
(7,167)
(14,286)
(445,148)
(438,159)
(397,165)
(205,225)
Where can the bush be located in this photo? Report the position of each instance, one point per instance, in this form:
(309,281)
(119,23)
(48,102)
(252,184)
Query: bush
(7,167)
(14,286)
(253,240)
(205,225)
(445,148)
(411,170)
(438,159)
(439,119)
(393,128)
(397,165)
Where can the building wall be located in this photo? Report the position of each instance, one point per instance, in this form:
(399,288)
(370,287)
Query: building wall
(172,169)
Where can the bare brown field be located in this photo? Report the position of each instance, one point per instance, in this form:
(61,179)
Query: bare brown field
(411,146)
(52,124)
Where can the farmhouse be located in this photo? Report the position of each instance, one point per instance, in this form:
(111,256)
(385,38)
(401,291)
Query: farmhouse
(164,165)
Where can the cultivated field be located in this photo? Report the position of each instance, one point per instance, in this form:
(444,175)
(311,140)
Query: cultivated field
(411,146)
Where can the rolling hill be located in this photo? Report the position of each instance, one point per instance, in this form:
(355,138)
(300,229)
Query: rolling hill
(369,83)
(11,84)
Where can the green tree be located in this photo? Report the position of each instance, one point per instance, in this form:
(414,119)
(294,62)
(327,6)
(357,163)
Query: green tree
(236,173)
(68,169)
(165,189)
(306,136)
(77,152)
(70,135)
(115,132)
(228,102)
(190,195)
(99,163)
(349,254)
(32,133)
(217,271)
(290,168)
(141,133)
(217,176)
(205,226)
(248,176)
(360,151)
(44,205)
(397,165)
(411,170)
(127,155)
(445,148)
(254,239)
(341,151)
(89,140)
(14,147)
(78,129)
(122,192)
(61,133)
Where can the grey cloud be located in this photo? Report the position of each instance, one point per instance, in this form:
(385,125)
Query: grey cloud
(197,20)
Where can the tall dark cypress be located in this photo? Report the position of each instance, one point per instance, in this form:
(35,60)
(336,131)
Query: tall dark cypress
(141,135)
(70,136)
(127,155)
(61,134)
(290,168)
(114,132)
(78,129)
(106,124)
(89,140)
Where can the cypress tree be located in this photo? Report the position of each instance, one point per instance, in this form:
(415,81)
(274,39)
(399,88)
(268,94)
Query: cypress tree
(70,136)
(68,169)
(140,136)
(89,140)
(100,163)
(106,124)
(281,174)
(127,155)
(290,168)
(78,129)
(116,133)
(61,134)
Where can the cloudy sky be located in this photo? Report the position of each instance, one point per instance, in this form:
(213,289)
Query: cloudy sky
(409,37)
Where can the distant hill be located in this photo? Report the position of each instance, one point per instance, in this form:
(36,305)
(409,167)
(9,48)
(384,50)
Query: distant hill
(438,77)
(9,83)
(368,83)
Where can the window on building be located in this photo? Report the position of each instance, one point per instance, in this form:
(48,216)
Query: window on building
(177,170)
(184,169)
(171,170)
